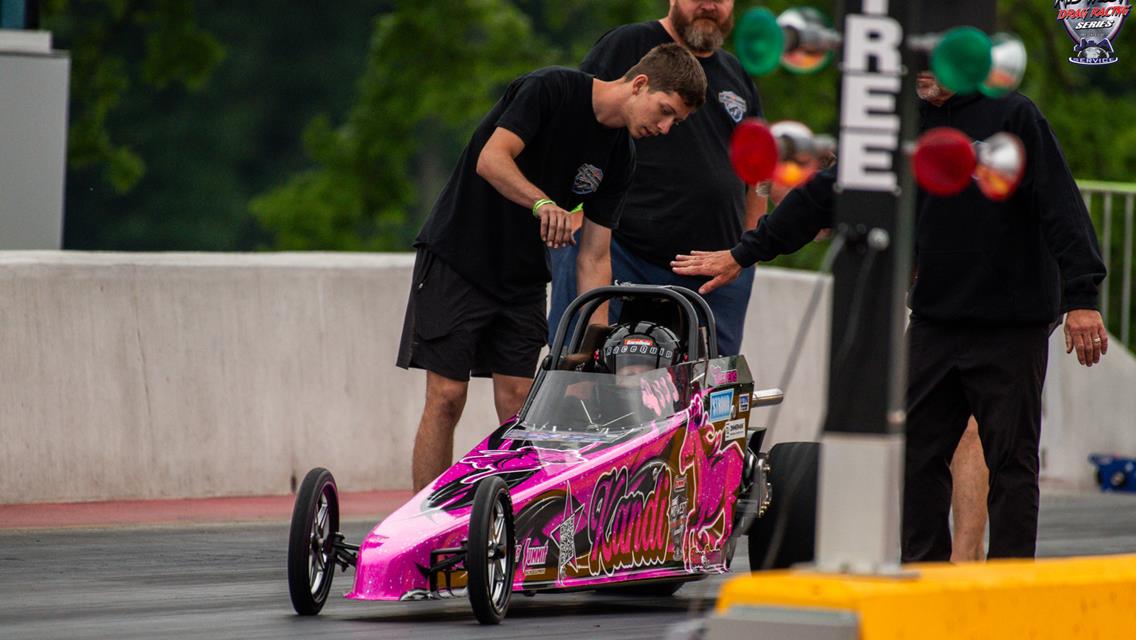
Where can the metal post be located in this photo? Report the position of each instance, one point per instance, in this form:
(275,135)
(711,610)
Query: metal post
(862,453)
(862,448)
(1126,290)
(1106,221)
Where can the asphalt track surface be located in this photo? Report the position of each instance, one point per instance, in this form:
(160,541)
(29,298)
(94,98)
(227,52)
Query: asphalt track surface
(228,581)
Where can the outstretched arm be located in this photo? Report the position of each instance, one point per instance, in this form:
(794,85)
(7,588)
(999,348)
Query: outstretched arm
(792,225)
(720,266)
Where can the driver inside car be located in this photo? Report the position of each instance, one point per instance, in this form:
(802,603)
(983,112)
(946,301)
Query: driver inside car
(629,351)
(636,347)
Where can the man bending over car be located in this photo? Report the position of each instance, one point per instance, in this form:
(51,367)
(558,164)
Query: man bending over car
(557,139)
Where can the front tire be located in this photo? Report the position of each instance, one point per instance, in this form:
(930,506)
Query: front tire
(788,527)
(490,551)
(311,542)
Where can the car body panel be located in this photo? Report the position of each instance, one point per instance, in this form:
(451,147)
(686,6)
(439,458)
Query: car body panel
(648,494)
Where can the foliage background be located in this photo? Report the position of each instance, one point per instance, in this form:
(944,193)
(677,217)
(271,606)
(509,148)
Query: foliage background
(261,125)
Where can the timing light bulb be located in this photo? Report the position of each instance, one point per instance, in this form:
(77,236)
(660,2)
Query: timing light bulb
(1001,165)
(753,151)
(944,161)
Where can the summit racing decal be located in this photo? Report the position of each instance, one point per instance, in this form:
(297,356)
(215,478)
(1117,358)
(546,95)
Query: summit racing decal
(588,178)
(735,105)
(1093,25)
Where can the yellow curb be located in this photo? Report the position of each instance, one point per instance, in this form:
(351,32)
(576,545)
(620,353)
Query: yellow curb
(1092,597)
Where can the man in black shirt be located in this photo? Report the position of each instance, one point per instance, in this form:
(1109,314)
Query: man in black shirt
(557,139)
(685,194)
(992,279)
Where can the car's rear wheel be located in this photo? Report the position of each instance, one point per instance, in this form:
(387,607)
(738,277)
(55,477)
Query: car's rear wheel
(786,534)
(311,542)
(489,556)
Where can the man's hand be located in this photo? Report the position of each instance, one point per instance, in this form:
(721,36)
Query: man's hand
(720,265)
(1085,332)
(556,226)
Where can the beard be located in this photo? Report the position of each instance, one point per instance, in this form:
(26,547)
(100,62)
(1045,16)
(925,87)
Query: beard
(703,34)
(932,92)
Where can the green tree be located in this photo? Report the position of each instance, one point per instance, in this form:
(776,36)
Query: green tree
(208,152)
(433,69)
(115,44)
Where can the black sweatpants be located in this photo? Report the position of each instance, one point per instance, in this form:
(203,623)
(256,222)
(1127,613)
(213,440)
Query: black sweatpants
(996,374)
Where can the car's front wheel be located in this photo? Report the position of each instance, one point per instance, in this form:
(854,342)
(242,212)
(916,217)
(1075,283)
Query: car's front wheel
(311,542)
(489,556)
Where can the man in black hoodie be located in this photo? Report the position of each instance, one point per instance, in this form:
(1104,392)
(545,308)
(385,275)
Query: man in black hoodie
(993,278)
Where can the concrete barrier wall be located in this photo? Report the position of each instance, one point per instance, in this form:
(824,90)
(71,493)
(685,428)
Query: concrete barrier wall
(189,375)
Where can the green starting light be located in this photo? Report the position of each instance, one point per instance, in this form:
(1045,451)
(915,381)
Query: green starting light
(760,41)
(961,60)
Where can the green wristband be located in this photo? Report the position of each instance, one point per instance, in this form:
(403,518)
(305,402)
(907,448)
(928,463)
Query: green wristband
(538,204)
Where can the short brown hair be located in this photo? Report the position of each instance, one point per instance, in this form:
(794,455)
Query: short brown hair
(671,68)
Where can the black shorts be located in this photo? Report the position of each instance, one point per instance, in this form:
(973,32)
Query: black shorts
(457,330)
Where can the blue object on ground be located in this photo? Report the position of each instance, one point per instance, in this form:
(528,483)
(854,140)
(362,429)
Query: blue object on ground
(1115,473)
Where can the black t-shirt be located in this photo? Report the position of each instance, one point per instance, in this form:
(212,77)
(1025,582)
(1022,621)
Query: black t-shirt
(494,243)
(685,194)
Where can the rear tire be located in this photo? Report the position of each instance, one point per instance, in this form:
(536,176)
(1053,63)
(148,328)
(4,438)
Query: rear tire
(490,551)
(788,527)
(311,542)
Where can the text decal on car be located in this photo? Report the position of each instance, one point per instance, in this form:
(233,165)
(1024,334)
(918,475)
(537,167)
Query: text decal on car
(721,402)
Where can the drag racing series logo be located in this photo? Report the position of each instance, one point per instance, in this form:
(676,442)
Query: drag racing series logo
(588,178)
(734,104)
(1093,25)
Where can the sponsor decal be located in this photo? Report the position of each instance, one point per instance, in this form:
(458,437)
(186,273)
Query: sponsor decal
(721,404)
(725,377)
(735,429)
(639,342)
(1093,26)
(638,348)
(588,178)
(743,402)
(532,558)
(677,514)
(536,556)
(734,104)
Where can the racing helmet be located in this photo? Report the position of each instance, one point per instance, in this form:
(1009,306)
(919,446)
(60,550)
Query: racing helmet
(639,343)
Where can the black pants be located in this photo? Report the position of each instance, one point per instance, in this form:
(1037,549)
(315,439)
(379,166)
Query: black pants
(996,374)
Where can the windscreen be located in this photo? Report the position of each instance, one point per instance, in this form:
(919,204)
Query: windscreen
(600,406)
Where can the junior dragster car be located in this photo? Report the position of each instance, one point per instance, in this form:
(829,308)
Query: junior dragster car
(632,464)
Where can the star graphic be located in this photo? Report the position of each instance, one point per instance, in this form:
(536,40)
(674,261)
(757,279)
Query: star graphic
(566,533)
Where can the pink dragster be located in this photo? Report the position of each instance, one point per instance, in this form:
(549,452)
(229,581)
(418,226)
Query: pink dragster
(614,473)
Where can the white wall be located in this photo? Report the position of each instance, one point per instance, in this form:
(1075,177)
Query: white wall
(185,375)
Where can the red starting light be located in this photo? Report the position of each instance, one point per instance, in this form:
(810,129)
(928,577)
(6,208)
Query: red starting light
(944,161)
(753,151)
